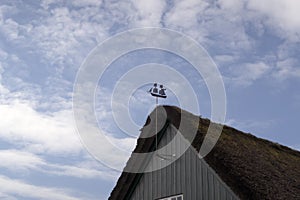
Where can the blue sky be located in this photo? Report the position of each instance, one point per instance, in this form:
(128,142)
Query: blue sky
(255,45)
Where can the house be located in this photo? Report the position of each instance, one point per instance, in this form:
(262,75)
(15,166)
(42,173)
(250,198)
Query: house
(240,166)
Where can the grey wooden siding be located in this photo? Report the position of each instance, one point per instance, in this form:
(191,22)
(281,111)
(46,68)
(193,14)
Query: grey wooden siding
(188,175)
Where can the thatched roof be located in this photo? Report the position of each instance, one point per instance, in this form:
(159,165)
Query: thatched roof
(253,168)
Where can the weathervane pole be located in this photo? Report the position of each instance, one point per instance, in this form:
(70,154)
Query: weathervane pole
(157,92)
(156,121)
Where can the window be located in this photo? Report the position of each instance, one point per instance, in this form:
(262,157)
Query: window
(176,197)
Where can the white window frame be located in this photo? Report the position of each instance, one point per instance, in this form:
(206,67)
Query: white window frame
(170,197)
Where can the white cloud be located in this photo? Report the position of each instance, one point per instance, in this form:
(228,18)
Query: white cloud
(149,13)
(225,59)
(10,28)
(247,73)
(39,132)
(286,69)
(6,197)
(284,15)
(45,3)
(217,25)
(3,90)
(59,38)
(254,71)
(54,133)
(246,125)
(20,161)
(81,172)
(55,36)
(3,54)
(188,17)
(16,187)
(184,13)
(80,3)
(235,6)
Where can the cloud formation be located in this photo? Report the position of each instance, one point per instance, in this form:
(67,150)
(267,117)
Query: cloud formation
(23,189)
(43,44)
(39,132)
(20,161)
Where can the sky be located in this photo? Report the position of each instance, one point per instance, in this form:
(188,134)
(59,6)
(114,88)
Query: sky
(43,43)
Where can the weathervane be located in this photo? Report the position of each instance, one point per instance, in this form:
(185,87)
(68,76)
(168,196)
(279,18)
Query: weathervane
(157,93)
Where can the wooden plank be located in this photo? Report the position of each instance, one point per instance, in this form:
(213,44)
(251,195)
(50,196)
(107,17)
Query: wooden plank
(199,185)
(194,176)
(187,174)
(211,186)
(205,185)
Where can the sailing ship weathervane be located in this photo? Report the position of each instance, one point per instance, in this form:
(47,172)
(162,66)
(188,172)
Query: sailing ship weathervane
(158,92)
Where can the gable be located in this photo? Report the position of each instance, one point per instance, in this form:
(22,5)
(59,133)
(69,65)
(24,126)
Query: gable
(187,175)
